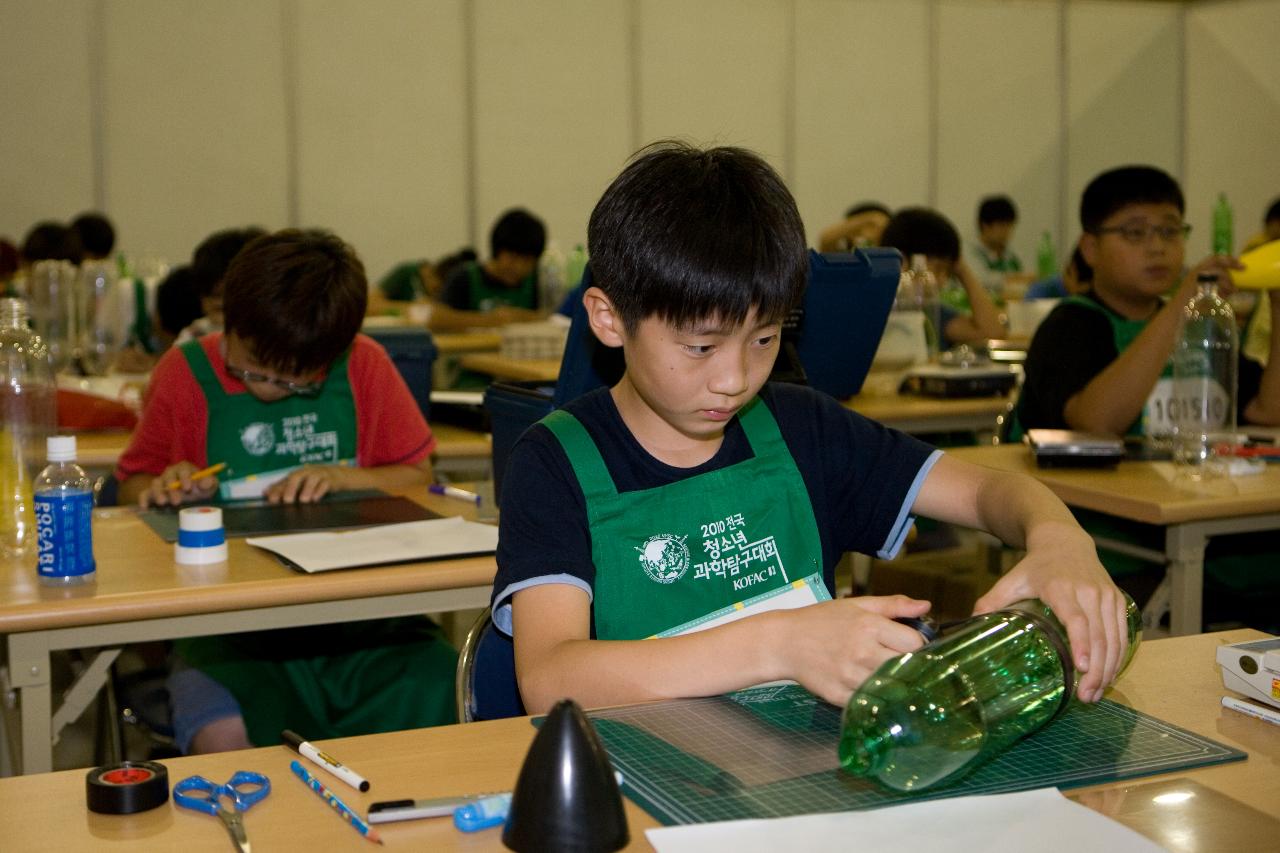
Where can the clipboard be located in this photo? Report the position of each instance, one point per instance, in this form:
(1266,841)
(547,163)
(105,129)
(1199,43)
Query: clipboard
(357,508)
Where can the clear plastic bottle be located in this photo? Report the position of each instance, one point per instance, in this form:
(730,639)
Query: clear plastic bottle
(64,512)
(1203,405)
(1223,228)
(28,416)
(931,716)
(929,299)
(575,266)
(551,277)
(51,294)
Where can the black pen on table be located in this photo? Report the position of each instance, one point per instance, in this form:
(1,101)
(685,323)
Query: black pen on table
(322,759)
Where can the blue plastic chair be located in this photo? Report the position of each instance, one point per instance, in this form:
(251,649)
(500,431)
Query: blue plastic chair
(485,687)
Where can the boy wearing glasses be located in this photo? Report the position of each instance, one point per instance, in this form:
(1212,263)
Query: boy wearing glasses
(1100,361)
(297,405)
(290,397)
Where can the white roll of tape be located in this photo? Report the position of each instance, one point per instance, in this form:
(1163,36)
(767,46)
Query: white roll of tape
(201,537)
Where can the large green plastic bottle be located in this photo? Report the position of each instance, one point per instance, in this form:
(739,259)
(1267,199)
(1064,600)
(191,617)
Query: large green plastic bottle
(929,717)
(1223,229)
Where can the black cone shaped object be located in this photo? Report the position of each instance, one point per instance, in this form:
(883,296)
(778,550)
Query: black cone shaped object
(566,799)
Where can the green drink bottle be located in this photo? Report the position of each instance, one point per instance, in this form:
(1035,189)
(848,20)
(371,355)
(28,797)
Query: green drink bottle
(1046,258)
(1223,230)
(929,717)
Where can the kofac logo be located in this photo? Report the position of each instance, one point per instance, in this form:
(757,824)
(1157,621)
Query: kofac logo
(665,557)
(258,438)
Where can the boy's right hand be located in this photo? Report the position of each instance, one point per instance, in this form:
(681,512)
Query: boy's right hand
(187,490)
(832,647)
(1222,265)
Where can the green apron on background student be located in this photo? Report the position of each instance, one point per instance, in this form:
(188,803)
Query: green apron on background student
(486,297)
(669,557)
(327,680)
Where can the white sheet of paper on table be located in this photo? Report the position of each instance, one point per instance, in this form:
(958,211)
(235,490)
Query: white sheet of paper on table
(387,543)
(1041,820)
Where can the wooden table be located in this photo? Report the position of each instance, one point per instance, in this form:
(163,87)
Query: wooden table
(452,343)
(519,369)
(919,415)
(1174,679)
(1151,492)
(142,595)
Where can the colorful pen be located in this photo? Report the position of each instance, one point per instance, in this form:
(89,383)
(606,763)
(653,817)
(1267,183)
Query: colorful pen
(454,492)
(1252,709)
(325,761)
(203,472)
(343,810)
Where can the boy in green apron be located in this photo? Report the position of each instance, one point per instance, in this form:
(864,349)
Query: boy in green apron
(1100,361)
(676,535)
(503,289)
(298,405)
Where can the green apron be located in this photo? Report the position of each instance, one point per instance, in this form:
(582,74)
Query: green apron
(486,297)
(671,558)
(261,442)
(327,680)
(1155,419)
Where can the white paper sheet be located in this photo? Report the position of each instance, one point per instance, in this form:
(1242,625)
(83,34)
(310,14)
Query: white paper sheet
(1042,821)
(388,543)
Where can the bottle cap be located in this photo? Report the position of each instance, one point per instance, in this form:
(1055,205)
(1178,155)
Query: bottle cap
(61,448)
(1206,277)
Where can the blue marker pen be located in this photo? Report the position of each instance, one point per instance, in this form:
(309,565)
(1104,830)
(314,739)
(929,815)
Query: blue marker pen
(483,813)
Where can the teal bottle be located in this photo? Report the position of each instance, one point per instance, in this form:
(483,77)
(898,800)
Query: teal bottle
(929,717)
(1223,229)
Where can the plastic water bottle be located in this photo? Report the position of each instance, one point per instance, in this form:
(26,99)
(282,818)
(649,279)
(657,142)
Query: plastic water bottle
(928,298)
(28,416)
(1046,257)
(1223,236)
(575,265)
(551,277)
(64,511)
(930,716)
(1203,406)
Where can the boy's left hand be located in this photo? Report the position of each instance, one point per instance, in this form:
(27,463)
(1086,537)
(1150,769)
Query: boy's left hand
(1061,569)
(307,485)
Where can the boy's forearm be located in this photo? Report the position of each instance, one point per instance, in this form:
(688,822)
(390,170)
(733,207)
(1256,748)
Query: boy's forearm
(985,315)
(1265,407)
(1019,510)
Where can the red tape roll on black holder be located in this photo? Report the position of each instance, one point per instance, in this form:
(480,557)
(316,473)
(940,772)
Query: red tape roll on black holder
(127,788)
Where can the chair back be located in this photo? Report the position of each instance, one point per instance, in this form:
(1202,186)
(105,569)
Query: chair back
(485,686)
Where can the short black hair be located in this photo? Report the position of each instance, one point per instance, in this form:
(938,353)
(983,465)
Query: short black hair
(446,265)
(688,234)
(1084,272)
(296,298)
(212,258)
(867,207)
(922,231)
(178,300)
(10,260)
(996,208)
(52,241)
(1119,188)
(518,231)
(97,235)
(1273,212)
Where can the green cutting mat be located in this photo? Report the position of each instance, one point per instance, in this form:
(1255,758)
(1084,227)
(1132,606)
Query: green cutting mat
(771,752)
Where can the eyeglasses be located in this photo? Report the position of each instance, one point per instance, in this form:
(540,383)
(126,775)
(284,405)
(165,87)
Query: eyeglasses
(1139,234)
(302,389)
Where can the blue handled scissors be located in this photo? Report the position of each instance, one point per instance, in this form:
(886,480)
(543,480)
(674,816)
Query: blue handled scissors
(244,789)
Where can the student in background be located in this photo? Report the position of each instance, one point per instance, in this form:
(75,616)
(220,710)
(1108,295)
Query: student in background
(637,510)
(503,289)
(97,235)
(209,264)
(51,241)
(299,406)
(997,217)
(177,307)
(1074,278)
(416,281)
(1100,361)
(10,260)
(1256,340)
(862,225)
(921,231)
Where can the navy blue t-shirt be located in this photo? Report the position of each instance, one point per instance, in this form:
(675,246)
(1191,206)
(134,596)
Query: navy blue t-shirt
(862,479)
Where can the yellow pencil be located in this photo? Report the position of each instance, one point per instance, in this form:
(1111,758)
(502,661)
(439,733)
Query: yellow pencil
(203,472)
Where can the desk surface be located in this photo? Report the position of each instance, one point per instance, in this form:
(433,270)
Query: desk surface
(520,369)
(459,342)
(1175,679)
(892,408)
(138,579)
(1140,491)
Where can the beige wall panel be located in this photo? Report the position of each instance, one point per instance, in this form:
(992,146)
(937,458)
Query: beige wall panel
(195,122)
(862,111)
(553,122)
(1233,114)
(45,143)
(998,122)
(382,126)
(1124,70)
(716,71)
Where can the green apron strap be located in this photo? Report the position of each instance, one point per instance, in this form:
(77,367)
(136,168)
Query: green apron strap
(202,370)
(761,429)
(593,475)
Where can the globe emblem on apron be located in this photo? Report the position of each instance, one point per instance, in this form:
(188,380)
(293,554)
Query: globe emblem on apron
(665,557)
(258,438)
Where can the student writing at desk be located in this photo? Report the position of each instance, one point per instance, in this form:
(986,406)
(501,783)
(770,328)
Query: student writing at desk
(297,405)
(636,511)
